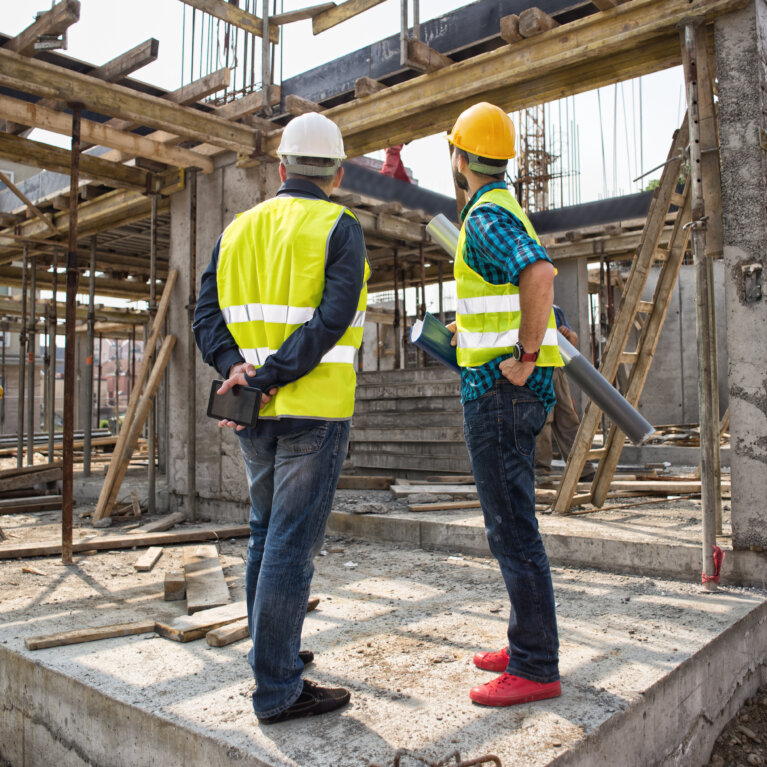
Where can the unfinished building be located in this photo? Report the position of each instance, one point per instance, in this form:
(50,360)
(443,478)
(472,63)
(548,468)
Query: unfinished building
(656,665)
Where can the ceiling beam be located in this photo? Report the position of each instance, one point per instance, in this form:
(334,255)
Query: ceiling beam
(30,205)
(231,14)
(50,81)
(101,135)
(135,290)
(340,13)
(631,39)
(127,63)
(303,13)
(53,22)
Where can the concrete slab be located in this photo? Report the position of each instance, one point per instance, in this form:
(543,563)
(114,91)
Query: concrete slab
(649,666)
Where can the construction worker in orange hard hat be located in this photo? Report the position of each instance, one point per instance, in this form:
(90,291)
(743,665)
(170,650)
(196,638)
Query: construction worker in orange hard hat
(506,338)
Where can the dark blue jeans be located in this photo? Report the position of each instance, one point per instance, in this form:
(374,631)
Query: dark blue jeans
(500,429)
(292,480)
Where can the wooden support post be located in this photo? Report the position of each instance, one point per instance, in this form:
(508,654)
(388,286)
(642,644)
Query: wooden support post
(53,22)
(22,361)
(365,86)
(89,360)
(510,28)
(31,354)
(396,323)
(709,421)
(295,105)
(191,415)
(69,349)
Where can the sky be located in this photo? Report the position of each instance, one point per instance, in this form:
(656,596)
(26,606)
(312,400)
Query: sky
(607,149)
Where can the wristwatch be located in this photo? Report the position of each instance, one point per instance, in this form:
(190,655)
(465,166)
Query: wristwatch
(520,355)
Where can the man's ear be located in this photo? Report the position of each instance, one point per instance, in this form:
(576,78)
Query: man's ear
(338,177)
(283,172)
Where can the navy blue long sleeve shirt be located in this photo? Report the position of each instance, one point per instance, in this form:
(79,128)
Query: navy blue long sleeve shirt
(303,349)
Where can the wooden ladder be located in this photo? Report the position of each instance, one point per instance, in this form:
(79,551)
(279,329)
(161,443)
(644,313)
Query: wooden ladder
(631,305)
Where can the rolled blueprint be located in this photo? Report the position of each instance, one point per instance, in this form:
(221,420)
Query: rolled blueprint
(578,369)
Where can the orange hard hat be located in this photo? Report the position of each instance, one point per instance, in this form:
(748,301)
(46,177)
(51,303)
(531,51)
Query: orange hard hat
(484,130)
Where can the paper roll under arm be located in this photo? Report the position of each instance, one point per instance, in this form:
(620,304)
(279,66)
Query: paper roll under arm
(578,369)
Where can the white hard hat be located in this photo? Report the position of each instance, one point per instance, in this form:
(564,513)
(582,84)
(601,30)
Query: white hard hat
(312,135)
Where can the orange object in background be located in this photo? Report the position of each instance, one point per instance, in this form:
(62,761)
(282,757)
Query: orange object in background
(393,164)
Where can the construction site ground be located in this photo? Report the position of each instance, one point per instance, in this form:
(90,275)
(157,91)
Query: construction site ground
(397,625)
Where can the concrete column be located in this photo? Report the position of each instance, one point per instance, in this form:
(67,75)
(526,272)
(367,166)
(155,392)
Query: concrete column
(220,474)
(571,294)
(741,58)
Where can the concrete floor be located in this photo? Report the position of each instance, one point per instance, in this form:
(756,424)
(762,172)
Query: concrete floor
(644,661)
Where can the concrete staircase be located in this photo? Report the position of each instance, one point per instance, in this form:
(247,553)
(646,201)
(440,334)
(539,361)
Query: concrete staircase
(409,422)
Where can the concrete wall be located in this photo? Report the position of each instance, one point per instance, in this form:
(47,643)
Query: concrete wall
(220,474)
(741,60)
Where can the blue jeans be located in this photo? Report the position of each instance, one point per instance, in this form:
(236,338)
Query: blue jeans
(500,429)
(292,480)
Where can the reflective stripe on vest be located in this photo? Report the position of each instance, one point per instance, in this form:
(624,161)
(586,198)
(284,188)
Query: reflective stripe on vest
(489,316)
(270,278)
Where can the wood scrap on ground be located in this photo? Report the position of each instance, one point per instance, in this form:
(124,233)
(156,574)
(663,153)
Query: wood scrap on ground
(205,583)
(186,628)
(364,482)
(30,504)
(33,570)
(174,586)
(161,524)
(148,559)
(89,634)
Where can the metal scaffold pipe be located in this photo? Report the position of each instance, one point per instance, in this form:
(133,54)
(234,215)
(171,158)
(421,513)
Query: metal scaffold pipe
(22,361)
(89,360)
(578,369)
(31,347)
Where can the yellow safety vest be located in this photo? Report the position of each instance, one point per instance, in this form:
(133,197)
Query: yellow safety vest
(270,278)
(488,316)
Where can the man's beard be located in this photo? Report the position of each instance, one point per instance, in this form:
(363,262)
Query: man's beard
(460,181)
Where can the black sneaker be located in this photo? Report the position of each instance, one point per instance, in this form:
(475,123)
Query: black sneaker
(307,656)
(313,700)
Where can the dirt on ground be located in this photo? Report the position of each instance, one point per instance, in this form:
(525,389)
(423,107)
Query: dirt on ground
(743,742)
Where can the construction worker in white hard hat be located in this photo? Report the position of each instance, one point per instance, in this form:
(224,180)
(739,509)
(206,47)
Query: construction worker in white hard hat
(505,333)
(282,307)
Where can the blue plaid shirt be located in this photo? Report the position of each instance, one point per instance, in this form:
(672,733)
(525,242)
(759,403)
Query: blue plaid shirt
(498,248)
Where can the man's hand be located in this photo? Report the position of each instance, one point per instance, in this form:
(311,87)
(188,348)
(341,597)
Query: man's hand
(516,372)
(452,327)
(569,334)
(237,377)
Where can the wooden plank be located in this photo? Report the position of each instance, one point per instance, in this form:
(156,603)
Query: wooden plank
(24,470)
(424,58)
(30,480)
(231,14)
(128,62)
(401,491)
(510,28)
(604,5)
(122,438)
(295,105)
(452,479)
(53,158)
(445,506)
(250,103)
(30,505)
(53,22)
(77,636)
(363,482)
(100,134)
(365,86)
(226,635)
(302,13)
(205,583)
(109,543)
(174,586)
(30,205)
(50,81)
(159,525)
(533,21)
(187,628)
(148,559)
(340,13)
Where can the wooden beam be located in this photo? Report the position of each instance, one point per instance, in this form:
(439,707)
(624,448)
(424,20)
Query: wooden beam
(604,5)
(187,628)
(300,14)
(50,81)
(295,105)
(148,559)
(52,158)
(340,13)
(77,636)
(365,86)
(205,583)
(102,135)
(510,28)
(423,58)
(202,88)
(127,63)
(30,205)
(250,103)
(632,39)
(231,14)
(533,21)
(53,22)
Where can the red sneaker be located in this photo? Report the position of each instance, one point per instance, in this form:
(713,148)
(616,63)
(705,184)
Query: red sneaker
(509,690)
(492,661)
